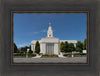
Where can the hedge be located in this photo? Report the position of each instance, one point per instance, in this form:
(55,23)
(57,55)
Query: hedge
(69,55)
(21,54)
(50,55)
(80,54)
(75,54)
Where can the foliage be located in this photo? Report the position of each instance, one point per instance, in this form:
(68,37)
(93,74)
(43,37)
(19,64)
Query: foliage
(24,49)
(15,49)
(47,55)
(79,54)
(54,55)
(22,54)
(66,46)
(71,47)
(30,51)
(79,46)
(37,47)
(31,54)
(62,47)
(84,45)
(68,55)
(75,54)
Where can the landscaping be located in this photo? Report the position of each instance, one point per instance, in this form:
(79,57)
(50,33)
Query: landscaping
(75,55)
(22,55)
(48,56)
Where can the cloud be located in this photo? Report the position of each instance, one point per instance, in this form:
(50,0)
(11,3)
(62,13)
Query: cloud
(42,31)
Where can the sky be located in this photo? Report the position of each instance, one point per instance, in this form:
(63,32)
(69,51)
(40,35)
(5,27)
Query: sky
(33,26)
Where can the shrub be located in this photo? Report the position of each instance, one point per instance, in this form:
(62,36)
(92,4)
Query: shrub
(79,54)
(30,54)
(75,54)
(17,54)
(69,55)
(52,55)
(22,54)
(45,54)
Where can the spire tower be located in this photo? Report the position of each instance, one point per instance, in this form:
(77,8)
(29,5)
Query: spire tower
(50,31)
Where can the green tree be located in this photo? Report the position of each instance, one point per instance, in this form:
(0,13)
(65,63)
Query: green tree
(79,46)
(24,49)
(15,48)
(62,47)
(71,47)
(84,45)
(37,47)
(30,51)
(66,46)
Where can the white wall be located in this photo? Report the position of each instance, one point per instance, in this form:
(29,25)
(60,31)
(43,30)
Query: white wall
(32,47)
(43,48)
(56,48)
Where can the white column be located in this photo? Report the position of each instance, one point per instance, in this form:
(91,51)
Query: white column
(56,48)
(43,48)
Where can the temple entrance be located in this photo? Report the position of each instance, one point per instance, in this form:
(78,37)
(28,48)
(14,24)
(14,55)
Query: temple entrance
(50,48)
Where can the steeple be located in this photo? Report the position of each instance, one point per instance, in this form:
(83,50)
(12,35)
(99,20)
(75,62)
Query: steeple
(50,32)
(50,24)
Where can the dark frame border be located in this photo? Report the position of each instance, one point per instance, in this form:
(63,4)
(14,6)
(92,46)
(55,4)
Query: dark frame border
(92,69)
(47,12)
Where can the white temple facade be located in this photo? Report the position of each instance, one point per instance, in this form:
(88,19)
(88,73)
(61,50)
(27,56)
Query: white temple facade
(50,44)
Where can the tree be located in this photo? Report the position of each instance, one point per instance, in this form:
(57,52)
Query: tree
(62,47)
(15,48)
(79,46)
(66,46)
(24,49)
(37,47)
(30,51)
(84,45)
(71,47)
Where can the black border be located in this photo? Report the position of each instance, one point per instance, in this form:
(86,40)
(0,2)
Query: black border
(92,69)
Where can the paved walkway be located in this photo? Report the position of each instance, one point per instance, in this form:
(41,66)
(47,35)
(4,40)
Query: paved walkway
(51,60)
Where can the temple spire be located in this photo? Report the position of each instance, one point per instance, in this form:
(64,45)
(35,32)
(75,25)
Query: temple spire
(50,31)
(49,23)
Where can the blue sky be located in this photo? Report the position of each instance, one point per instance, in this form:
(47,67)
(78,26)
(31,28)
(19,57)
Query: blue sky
(28,27)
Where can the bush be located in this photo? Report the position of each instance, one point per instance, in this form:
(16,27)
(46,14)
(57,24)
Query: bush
(30,54)
(22,54)
(52,55)
(75,54)
(79,54)
(45,54)
(69,55)
(19,54)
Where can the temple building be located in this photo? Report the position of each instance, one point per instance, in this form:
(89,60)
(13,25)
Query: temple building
(50,44)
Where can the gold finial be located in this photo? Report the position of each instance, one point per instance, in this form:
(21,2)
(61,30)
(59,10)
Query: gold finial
(49,23)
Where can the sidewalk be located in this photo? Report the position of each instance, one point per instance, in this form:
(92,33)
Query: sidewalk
(37,56)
